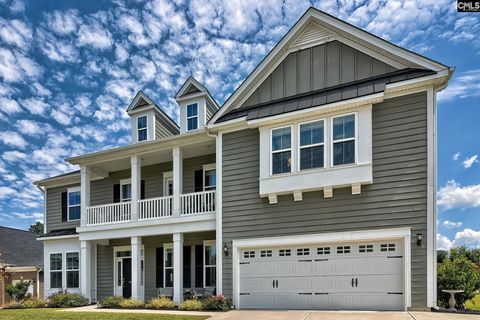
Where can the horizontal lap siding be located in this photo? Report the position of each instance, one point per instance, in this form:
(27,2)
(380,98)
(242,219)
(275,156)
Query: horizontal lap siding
(54,209)
(397,197)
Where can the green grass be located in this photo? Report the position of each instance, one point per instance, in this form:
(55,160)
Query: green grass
(474,303)
(55,314)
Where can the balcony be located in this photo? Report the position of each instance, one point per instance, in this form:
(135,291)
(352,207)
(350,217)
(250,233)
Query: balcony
(152,209)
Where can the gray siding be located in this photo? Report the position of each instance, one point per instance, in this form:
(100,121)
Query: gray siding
(316,68)
(54,209)
(210,110)
(101,191)
(164,128)
(397,197)
(105,269)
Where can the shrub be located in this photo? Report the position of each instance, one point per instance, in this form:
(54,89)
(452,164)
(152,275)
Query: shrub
(474,303)
(18,291)
(191,305)
(111,302)
(161,303)
(13,305)
(34,303)
(461,274)
(132,304)
(217,303)
(64,299)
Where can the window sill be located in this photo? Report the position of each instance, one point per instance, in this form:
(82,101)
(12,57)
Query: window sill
(317,179)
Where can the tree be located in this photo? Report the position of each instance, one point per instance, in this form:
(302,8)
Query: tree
(442,255)
(37,228)
(18,291)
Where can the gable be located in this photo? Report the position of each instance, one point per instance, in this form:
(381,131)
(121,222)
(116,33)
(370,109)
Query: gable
(322,66)
(192,89)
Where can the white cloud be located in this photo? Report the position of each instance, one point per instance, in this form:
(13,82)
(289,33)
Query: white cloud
(144,68)
(6,192)
(15,32)
(33,128)
(456,156)
(468,162)
(35,106)
(17,6)
(95,35)
(443,243)
(13,139)
(55,48)
(34,215)
(61,117)
(63,22)
(467,237)
(13,156)
(453,195)
(121,53)
(451,224)
(9,105)
(466,85)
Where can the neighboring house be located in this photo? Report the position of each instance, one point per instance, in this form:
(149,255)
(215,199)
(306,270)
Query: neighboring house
(312,187)
(21,258)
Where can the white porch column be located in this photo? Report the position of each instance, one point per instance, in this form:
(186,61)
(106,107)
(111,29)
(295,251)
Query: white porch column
(85,268)
(136,184)
(178,267)
(136,243)
(84,194)
(177,179)
(218,215)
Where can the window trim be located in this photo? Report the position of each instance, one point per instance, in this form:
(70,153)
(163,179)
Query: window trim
(209,167)
(122,183)
(192,117)
(55,270)
(299,146)
(167,176)
(165,247)
(291,149)
(333,141)
(72,190)
(209,243)
(146,128)
(71,270)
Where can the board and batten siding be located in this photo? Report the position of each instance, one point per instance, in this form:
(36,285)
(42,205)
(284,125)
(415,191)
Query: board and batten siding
(316,68)
(397,197)
(101,190)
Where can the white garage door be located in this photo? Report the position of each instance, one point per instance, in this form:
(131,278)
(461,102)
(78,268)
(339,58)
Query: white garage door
(366,275)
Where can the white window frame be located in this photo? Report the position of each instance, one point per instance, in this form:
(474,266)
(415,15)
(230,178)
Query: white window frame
(209,167)
(167,246)
(167,176)
(300,147)
(192,117)
(333,141)
(71,270)
(208,243)
(122,183)
(146,128)
(55,270)
(117,290)
(292,165)
(72,190)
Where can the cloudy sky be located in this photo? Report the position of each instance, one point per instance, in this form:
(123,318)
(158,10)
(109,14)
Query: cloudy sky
(68,70)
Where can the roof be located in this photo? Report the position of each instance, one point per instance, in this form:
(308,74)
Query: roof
(324,96)
(59,233)
(336,25)
(20,248)
(69,177)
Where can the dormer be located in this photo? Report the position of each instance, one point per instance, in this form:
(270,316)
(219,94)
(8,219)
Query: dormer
(149,122)
(197,105)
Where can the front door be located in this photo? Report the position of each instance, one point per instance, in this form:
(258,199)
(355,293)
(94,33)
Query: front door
(127,277)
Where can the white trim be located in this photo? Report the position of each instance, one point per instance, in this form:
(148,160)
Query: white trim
(72,270)
(208,243)
(57,237)
(166,177)
(197,116)
(300,147)
(124,182)
(71,190)
(208,167)
(63,284)
(115,271)
(218,213)
(362,235)
(167,246)
(333,141)
(292,164)
(146,128)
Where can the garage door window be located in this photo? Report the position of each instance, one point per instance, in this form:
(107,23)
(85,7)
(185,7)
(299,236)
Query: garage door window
(364,248)
(343,249)
(303,252)
(284,252)
(387,247)
(323,250)
(265,253)
(249,254)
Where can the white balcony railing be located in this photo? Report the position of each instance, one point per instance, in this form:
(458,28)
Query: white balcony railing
(109,213)
(197,202)
(155,208)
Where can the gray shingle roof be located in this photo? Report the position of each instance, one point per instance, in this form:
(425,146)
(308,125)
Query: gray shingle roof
(20,248)
(59,233)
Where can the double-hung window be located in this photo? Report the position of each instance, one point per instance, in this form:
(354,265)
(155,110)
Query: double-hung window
(142,128)
(72,269)
(168,259)
(209,177)
(311,144)
(125,190)
(74,204)
(343,139)
(192,116)
(281,150)
(56,270)
(210,263)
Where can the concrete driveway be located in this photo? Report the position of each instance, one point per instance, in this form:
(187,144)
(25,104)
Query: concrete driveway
(339,315)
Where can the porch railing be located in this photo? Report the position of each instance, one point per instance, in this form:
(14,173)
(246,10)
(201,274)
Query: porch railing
(155,208)
(197,202)
(109,213)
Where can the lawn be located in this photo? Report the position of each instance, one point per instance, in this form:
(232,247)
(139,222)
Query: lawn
(53,314)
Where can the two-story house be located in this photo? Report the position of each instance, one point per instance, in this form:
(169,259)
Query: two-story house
(311,187)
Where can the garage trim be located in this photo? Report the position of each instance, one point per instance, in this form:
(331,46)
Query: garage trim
(376,234)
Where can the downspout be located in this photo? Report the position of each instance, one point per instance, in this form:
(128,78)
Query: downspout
(218,210)
(44,192)
(38,282)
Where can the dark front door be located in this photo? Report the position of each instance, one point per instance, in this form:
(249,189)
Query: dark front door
(127,277)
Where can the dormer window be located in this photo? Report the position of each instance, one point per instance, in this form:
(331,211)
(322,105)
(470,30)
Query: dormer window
(142,128)
(192,116)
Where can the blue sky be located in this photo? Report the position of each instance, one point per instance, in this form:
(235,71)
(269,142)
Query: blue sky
(68,70)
